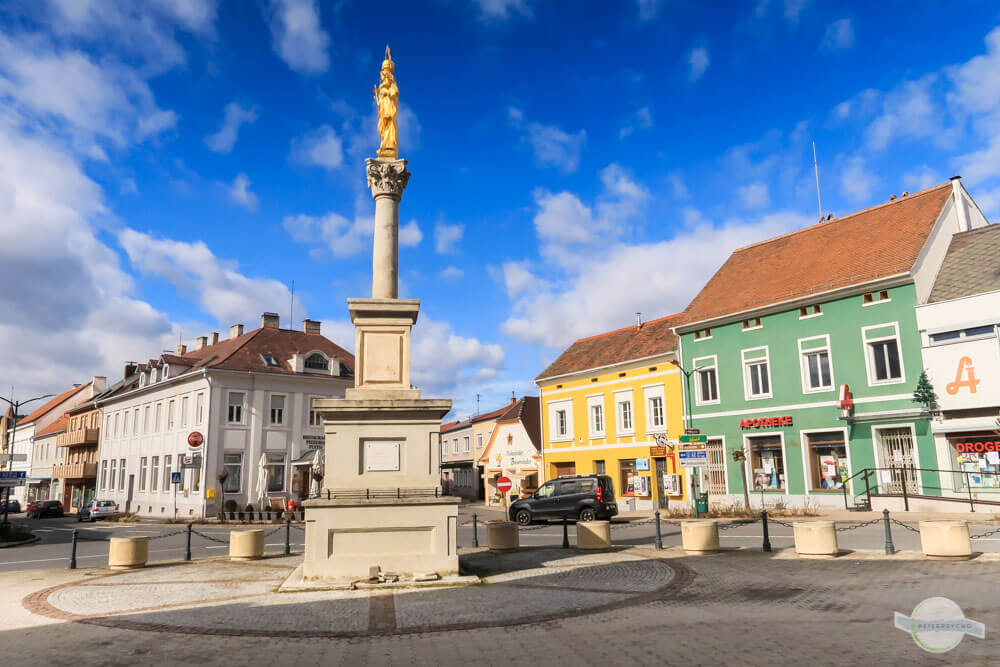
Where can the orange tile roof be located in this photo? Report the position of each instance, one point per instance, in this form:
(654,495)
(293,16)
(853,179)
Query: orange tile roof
(66,395)
(614,347)
(874,243)
(58,426)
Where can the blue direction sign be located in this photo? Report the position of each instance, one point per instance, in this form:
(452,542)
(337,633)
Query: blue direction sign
(13,478)
(175,478)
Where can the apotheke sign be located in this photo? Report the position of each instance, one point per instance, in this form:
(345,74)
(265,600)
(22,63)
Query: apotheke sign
(766,422)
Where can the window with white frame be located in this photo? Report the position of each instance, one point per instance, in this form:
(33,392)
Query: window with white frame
(233,464)
(154,475)
(277,409)
(166,471)
(156,417)
(147,423)
(816,366)
(135,421)
(623,411)
(314,418)
(104,474)
(706,379)
(143,462)
(444,448)
(142,379)
(166,372)
(121,471)
(235,414)
(200,409)
(756,373)
(454,446)
(654,412)
(184,411)
(882,354)
(317,362)
(111,482)
(479,441)
(560,420)
(170,415)
(595,415)
(117,431)
(466,445)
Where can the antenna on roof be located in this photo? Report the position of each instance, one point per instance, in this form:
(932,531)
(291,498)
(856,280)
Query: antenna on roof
(477,405)
(291,307)
(819,200)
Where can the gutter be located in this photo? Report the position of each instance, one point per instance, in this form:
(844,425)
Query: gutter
(587,371)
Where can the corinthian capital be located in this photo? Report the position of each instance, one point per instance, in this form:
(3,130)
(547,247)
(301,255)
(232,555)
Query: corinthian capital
(387,177)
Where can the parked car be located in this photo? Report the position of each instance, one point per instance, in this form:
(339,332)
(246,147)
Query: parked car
(97,509)
(43,508)
(582,497)
(11,506)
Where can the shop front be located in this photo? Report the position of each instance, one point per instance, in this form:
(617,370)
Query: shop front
(307,471)
(511,454)
(975,463)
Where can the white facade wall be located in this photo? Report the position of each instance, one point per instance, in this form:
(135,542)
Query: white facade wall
(22,444)
(44,455)
(249,438)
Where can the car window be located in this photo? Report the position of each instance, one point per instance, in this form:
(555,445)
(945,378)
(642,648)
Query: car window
(567,488)
(546,490)
(106,503)
(587,485)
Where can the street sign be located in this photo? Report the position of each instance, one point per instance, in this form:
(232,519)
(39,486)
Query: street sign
(504,484)
(692,431)
(7,458)
(13,477)
(195,440)
(694,438)
(176,477)
(190,461)
(692,454)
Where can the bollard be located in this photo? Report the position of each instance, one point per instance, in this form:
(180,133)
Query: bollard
(890,548)
(187,552)
(288,535)
(767,540)
(565,531)
(475,530)
(659,536)
(72,555)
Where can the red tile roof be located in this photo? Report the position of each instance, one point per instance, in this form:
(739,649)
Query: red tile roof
(614,347)
(877,242)
(66,395)
(527,412)
(455,425)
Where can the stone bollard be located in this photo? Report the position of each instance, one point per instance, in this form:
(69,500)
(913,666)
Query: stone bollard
(502,536)
(815,539)
(700,536)
(945,540)
(128,553)
(593,535)
(246,544)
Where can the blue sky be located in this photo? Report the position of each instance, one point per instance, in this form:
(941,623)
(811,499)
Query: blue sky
(168,168)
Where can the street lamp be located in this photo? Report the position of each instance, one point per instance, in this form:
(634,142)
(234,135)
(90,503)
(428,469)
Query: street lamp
(13,431)
(690,418)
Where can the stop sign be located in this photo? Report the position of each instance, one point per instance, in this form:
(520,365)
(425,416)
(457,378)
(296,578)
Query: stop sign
(195,440)
(504,484)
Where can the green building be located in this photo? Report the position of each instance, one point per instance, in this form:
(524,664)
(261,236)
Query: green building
(802,352)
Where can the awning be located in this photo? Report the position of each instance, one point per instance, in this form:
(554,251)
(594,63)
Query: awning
(458,464)
(306,459)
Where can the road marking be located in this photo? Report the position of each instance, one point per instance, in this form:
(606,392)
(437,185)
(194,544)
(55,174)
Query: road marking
(758,537)
(66,558)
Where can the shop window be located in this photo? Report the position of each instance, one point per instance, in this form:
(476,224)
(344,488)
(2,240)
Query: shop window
(827,453)
(767,463)
(977,456)
(275,472)
(233,464)
(626,479)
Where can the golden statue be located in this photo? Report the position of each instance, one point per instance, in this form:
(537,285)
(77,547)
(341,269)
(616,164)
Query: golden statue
(387,103)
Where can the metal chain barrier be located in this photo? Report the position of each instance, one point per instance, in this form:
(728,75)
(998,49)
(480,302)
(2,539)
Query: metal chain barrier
(87,538)
(986,534)
(906,526)
(855,526)
(270,533)
(736,524)
(176,532)
(771,519)
(209,537)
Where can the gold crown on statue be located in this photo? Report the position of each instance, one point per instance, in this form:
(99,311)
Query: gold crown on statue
(387,63)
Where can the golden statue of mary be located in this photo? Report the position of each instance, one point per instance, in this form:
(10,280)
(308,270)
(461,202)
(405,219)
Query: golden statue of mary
(387,103)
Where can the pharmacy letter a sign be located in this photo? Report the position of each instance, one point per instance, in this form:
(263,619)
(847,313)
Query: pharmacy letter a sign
(965,375)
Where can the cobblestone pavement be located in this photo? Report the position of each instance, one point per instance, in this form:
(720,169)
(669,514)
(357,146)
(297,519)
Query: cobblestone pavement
(542,605)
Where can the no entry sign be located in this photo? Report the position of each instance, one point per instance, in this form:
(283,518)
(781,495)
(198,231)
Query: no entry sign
(195,440)
(504,484)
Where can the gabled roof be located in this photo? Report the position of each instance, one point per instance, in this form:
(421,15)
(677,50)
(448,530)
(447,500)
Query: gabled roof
(614,347)
(53,403)
(58,426)
(971,266)
(465,423)
(878,242)
(527,412)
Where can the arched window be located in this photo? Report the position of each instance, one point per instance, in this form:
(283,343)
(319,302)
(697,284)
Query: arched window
(317,362)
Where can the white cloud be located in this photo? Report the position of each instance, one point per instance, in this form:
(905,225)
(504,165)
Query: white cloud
(298,37)
(641,119)
(321,147)
(839,36)
(234,116)
(857,181)
(908,111)
(446,237)
(410,234)
(698,62)
(981,165)
(556,147)
(678,186)
(919,179)
(342,237)
(518,278)
(239,192)
(977,82)
(755,195)
(501,10)
(793,9)
(451,274)
(445,363)
(648,9)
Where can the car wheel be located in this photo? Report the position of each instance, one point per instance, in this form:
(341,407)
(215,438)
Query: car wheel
(523,517)
(588,514)
(79,518)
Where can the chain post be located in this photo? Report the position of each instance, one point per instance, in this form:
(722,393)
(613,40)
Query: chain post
(288,535)
(187,552)
(475,530)
(72,555)
(890,548)
(767,540)
(659,536)
(565,531)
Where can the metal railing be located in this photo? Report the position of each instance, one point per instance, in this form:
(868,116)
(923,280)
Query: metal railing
(882,485)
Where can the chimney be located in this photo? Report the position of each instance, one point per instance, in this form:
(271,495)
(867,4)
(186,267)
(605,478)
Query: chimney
(311,326)
(202,342)
(215,338)
(182,350)
(269,320)
(235,331)
(638,321)
(97,385)
(963,213)
(130,367)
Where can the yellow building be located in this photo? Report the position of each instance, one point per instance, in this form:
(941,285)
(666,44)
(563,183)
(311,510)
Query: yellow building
(611,404)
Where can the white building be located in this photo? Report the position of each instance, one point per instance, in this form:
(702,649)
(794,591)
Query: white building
(959,328)
(249,397)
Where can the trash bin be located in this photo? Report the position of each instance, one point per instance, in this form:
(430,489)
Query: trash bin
(701,502)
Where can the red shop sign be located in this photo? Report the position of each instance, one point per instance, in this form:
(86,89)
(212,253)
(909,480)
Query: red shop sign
(764,422)
(976,445)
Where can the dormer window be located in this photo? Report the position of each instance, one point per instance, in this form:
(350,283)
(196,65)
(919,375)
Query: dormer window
(152,375)
(317,362)
(142,379)
(166,371)
(269,360)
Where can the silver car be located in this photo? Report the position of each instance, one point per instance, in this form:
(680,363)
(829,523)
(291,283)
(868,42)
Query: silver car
(97,509)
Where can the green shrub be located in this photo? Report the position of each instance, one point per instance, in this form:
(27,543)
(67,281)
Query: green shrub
(249,508)
(230,505)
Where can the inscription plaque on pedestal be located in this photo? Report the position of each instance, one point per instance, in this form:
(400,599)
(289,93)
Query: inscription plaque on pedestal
(381,456)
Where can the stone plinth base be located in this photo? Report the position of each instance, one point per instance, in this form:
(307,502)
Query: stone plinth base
(700,536)
(128,553)
(945,540)
(345,538)
(593,535)
(815,539)
(246,544)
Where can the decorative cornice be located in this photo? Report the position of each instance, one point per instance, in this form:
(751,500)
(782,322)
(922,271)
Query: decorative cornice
(387,178)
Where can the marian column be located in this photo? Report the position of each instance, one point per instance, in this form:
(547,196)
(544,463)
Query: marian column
(381,504)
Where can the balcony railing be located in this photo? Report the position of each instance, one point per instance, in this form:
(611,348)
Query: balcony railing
(83,436)
(74,470)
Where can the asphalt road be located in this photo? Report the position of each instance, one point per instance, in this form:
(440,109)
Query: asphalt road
(167,541)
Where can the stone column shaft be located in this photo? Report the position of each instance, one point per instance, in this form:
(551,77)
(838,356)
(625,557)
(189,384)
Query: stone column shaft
(387,179)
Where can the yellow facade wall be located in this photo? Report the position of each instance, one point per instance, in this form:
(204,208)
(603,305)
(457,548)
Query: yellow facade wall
(586,448)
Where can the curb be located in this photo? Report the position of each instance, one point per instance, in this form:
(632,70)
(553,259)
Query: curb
(30,540)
